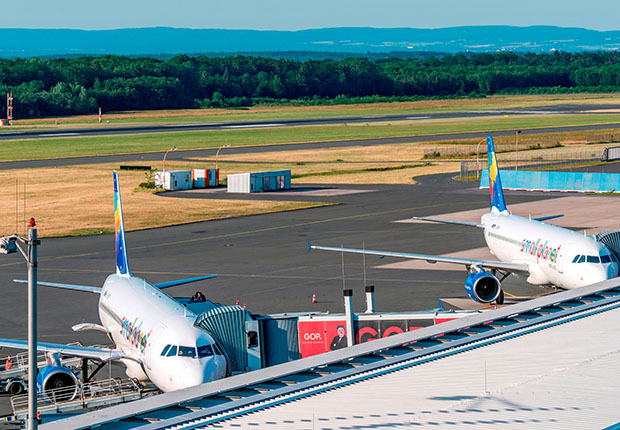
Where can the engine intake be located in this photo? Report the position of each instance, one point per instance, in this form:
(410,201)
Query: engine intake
(483,287)
(57,384)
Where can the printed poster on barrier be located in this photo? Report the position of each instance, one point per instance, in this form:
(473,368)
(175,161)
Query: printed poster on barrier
(317,337)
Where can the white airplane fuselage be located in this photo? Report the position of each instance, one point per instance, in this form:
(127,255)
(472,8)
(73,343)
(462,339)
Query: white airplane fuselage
(143,321)
(549,251)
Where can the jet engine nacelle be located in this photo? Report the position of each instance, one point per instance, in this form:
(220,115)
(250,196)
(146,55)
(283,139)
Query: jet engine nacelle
(482,287)
(57,383)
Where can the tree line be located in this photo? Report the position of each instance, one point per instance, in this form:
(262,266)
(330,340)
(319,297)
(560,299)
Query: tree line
(79,85)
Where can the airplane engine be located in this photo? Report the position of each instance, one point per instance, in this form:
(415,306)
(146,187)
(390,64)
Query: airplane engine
(483,287)
(57,383)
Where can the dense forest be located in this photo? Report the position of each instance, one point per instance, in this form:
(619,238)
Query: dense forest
(63,86)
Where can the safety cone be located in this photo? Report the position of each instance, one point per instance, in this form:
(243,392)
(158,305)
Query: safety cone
(313,297)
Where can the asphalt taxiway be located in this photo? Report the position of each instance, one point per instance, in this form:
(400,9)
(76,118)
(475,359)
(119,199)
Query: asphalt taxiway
(264,261)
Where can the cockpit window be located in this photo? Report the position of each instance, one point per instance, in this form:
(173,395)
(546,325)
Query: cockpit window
(172,351)
(593,259)
(187,351)
(205,351)
(605,258)
(582,259)
(576,258)
(165,350)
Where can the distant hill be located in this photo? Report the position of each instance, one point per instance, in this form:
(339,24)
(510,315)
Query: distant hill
(170,41)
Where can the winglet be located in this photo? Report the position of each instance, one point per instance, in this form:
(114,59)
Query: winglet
(495,184)
(122,268)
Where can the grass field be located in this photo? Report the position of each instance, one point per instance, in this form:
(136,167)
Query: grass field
(159,142)
(78,200)
(274,113)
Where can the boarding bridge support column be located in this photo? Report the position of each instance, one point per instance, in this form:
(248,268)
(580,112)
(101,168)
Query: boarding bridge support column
(370,299)
(348,313)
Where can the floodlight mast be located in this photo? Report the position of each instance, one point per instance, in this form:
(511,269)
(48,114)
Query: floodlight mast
(9,245)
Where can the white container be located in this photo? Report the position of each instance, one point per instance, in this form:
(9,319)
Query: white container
(174,180)
(259,181)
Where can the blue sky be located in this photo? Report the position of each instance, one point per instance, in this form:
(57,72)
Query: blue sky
(297,14)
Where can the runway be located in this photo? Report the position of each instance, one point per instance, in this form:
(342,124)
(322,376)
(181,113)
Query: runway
(105,130)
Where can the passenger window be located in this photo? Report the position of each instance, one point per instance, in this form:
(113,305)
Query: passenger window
(605,258)
(576,258)
(187,351)
(204,351)
(163,353)
(172,351)
(593,259)
(582,259)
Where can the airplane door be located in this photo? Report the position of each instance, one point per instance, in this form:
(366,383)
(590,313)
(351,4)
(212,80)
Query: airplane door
(562,252)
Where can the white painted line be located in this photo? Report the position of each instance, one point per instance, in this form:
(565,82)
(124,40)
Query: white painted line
(418,117)
(253,125)
(194,125)
(58,134)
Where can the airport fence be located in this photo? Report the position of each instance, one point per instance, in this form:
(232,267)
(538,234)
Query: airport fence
(470,169)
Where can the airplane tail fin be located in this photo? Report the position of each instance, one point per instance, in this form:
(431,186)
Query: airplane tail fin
(495,184)
(122,268)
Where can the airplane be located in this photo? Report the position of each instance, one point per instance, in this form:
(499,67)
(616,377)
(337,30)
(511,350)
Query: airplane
(541,253)
(154,334)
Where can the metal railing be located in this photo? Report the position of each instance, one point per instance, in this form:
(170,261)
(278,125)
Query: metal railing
(105,392)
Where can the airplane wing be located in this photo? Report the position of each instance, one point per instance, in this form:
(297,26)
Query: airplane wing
(91,352)
(85,288)
(183,281)
(509,267)
(447,221)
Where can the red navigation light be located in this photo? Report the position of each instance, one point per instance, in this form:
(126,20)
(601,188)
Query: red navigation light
(32,222)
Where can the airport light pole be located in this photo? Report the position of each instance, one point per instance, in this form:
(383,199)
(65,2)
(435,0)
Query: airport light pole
(517,149)
(174,148)
(478,159)
(218,152)
(8,245)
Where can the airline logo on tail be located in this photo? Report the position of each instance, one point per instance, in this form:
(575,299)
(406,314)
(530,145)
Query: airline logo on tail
(495,184)
(119,231)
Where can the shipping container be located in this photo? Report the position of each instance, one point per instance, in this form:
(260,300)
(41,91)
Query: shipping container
(174,180)
(204,178)
(258,182)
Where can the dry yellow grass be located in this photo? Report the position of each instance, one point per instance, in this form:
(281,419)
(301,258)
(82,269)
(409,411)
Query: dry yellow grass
(79,200)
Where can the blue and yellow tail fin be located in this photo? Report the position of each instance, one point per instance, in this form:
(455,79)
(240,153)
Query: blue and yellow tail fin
(122,268)
(495,184)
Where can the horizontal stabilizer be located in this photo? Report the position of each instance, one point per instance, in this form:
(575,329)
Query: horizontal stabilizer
(84,288)
(545,218)
(183,281)
(91,352)
(447,221)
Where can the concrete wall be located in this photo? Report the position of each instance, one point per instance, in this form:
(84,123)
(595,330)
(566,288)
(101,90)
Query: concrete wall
(555,181)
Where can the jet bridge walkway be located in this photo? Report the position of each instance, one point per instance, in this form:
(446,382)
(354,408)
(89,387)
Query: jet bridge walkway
(241,394)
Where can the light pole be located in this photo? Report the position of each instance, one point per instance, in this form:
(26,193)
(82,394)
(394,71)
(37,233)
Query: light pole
(517,149)
(478,159)
(174,148)
(9,245)
(218,152)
